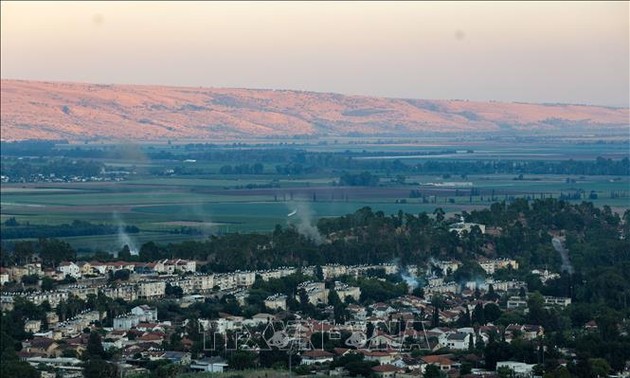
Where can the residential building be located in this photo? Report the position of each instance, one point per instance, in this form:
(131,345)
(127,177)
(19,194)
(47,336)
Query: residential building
(128,292)
(203,283)
(445,364)
(387,371)
(344,291)
(32,326)
(448,266)
(245,279)
(276,302)
(557,301)
(316,356)
(490,266)
(145,313)
(209,364)
(316,292)
(520,369)
(4,276)
(516,302)
(151,289)
(85,268)
(462,227)
(126,322)
(459,340)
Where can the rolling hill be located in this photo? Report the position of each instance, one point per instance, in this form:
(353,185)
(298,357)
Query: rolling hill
(81,111)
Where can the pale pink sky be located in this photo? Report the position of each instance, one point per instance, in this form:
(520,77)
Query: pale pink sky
(533,52)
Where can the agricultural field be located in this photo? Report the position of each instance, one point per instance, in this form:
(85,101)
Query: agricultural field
(177,192)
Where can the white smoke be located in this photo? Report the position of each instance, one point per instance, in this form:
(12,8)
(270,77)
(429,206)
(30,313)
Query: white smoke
(301,215)
(430,264)
(123,238)
(410,279)
(564,255)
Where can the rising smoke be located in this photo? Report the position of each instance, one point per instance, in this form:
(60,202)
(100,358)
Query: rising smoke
(301,215)
(408,277)
(564,255)
(123,238)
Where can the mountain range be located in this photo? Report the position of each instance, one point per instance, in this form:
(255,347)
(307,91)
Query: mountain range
(82,111)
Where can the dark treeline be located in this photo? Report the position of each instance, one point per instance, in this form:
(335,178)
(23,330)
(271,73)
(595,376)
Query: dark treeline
(242,169)
(299,162)
(30,147)
(361,179)
(49,251)
(46,167)
(12,229)
(289,160)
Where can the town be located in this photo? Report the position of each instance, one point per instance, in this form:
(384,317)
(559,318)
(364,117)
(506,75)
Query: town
(437,324)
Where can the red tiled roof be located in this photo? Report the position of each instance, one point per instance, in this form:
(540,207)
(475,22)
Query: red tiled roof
(147,325)
(375,353)
(151,337)
(440,360)
(386,368)
(42,342)
(340,351)
(23,354)
(317,354)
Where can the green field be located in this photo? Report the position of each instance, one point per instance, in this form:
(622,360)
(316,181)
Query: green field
(215,203)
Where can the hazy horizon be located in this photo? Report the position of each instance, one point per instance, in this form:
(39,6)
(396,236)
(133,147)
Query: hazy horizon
(574,53)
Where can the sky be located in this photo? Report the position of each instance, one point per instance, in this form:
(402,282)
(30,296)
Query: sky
(542,52)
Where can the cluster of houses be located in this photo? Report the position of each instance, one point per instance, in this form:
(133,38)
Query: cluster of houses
(140,336)
(384,332)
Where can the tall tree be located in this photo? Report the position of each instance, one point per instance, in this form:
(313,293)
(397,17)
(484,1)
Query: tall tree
(94,347)
(478,316)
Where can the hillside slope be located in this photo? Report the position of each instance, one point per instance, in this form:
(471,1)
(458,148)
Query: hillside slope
(79,111)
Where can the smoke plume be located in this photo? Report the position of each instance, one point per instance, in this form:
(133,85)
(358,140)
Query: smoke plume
(301,215)
(410,279)
(123,238)
(564,255)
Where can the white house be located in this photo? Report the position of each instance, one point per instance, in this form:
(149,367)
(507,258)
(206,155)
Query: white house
(383,341)
(172,266)
(4,276)
(32,326)
(145,313)
(459,340)
(211,365)
(557,301)
(464,226)
(520,369)
(68,268)
(126,322)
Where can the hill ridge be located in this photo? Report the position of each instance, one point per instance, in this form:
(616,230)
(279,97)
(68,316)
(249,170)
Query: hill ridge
(82,111)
